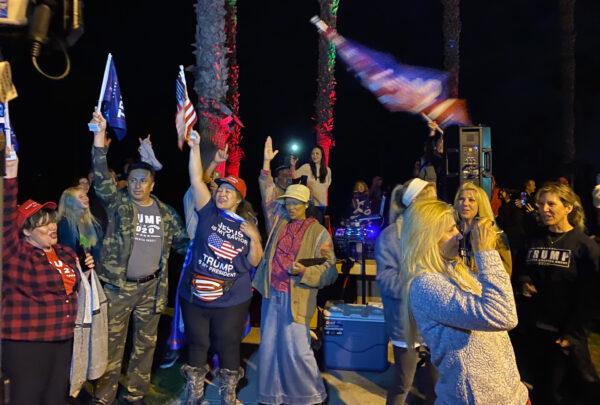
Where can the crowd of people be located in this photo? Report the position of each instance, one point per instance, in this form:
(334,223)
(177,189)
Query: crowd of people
(486,301)
(455,286)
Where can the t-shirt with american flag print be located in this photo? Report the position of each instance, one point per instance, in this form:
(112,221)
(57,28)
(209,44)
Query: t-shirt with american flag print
(218,274)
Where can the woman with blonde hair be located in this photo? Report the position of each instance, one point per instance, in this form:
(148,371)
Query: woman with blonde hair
(360,204)
(560,281)
(77,227)
(389,278)
(472,202)
(463,316)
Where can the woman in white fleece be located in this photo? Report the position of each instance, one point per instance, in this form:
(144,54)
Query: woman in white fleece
(463,317)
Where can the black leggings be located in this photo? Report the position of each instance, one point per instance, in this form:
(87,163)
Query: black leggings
(217,328)
(38,371)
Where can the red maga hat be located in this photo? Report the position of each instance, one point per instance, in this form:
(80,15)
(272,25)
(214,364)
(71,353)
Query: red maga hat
(30,207)
(235,182)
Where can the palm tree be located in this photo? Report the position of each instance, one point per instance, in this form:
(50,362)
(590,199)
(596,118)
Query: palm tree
(451,28)
(326,80)
(211,70)
(567,63)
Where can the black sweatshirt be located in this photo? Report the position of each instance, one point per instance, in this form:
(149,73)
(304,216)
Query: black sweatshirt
(564,269)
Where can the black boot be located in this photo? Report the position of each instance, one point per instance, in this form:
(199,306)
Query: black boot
(228,383)
(194,387)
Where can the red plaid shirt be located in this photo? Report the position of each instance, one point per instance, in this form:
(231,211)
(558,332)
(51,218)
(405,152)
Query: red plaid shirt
(35,305)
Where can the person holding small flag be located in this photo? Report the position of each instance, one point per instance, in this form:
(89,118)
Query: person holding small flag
(133,261)
(215,290)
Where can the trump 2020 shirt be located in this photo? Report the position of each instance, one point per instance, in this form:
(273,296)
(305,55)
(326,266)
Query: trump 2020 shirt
(563,267)
(218,274)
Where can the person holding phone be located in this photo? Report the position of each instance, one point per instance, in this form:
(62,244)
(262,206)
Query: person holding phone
(471,203)
(462,316)
(298,261)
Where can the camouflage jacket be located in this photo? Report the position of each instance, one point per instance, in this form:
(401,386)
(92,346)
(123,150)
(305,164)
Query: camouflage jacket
(118,240)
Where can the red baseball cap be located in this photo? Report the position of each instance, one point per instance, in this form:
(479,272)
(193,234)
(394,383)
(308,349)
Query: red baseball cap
(235,182)
(30,207)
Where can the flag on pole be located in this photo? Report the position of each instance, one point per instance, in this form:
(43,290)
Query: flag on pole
(397,86)
(111,100)
(186,117)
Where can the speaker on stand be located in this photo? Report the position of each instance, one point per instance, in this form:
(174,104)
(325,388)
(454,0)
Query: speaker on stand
(471,159)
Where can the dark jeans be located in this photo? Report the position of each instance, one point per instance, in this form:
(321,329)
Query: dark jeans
(38,371)
(218,328)
(553,366)
(405,371)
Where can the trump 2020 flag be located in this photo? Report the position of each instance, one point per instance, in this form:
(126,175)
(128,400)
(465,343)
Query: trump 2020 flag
(111,101)
(399,87)
(186,117)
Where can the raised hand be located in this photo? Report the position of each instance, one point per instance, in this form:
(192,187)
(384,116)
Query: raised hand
(99,120)
(269,154)
(145,140)
(193,139)
(222,155)
(483,235)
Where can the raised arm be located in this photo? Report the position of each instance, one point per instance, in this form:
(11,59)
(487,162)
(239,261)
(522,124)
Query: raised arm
(147,153)
(104,184)
(10,231)
(221,156)
(200,190)
(266,184)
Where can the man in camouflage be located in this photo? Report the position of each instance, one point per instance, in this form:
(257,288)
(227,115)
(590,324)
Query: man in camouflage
(133,266)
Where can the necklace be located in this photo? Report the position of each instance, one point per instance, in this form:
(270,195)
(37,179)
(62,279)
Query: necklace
(552,242)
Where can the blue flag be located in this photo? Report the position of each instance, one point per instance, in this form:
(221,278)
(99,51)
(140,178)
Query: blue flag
(112,104)
(7,128)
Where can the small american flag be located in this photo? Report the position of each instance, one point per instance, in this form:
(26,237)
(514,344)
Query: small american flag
(222,248)
(186,117)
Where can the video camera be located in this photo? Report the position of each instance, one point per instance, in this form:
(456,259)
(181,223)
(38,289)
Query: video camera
(42,22)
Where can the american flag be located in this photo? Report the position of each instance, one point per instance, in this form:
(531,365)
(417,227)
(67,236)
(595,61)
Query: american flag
(207,289)
(186,117)
(222,248)
(399,87)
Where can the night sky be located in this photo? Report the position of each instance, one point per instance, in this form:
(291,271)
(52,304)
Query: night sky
(510,75)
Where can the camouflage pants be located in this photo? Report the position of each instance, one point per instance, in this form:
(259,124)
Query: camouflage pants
(139,300)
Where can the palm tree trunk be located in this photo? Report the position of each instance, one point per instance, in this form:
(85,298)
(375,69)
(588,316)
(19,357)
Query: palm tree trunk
(326,81)
(210,71)
(567,59)
(451,28)
(233,94)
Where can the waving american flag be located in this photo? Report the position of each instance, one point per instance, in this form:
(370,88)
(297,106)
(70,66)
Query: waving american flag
(186,117)
(399,87)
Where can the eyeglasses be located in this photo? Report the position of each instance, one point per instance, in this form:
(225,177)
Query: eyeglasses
(292,203)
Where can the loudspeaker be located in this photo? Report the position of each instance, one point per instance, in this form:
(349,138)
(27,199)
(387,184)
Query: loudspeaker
(474,152)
